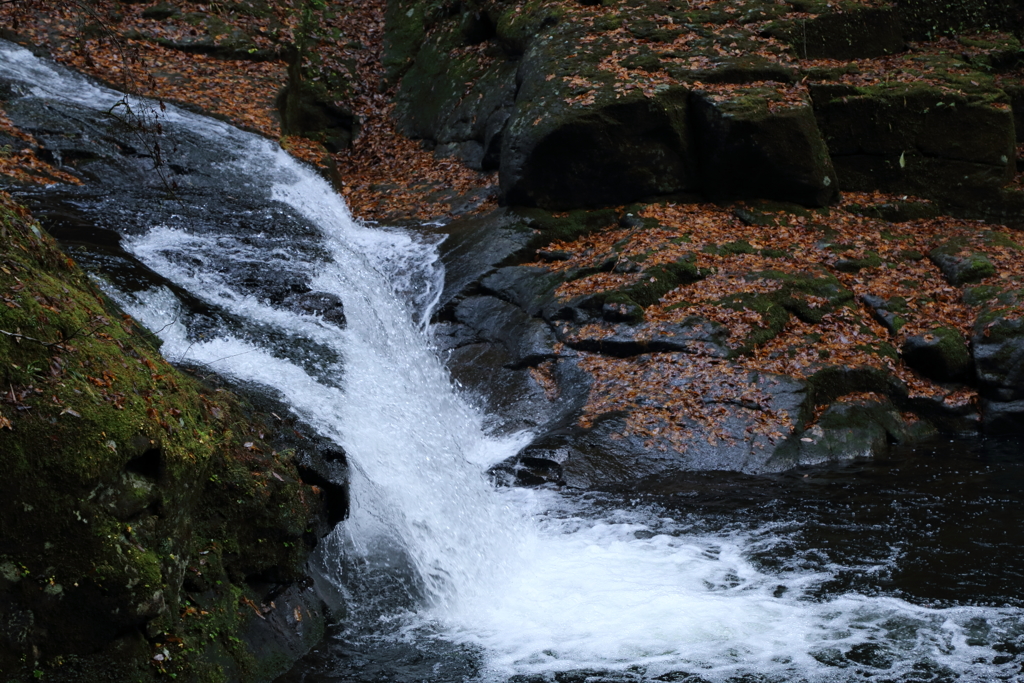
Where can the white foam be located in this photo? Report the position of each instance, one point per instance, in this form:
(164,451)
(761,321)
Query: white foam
(528,577)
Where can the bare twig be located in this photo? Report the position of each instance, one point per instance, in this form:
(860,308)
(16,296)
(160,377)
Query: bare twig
(58,344)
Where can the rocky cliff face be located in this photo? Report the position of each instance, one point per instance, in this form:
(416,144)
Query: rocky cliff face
(581,104)
(147,525)
(824,306)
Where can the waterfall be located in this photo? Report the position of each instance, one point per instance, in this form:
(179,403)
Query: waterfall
(534,581)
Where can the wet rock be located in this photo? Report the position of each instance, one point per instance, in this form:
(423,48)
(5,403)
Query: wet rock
(528,340)
(692,335)
(515,399)
(862,428)
(449,335)
(940,354)
(1002,417)
(529,287)
(998,348)
(323,304)
(961,265)
(611,454)
(290,623)
(943,417)
(475,245)
(621,312)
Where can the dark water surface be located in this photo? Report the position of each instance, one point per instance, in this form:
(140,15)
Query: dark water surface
(938,525)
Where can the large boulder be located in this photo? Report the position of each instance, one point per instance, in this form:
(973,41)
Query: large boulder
(750,148)
(954,147)
(146,527)
(940,354)
(573,141)
(998,346)
(857,32)
(625,150)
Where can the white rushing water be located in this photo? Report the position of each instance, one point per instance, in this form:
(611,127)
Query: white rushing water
(536,581)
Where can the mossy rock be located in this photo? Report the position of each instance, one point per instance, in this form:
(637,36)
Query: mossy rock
(160,11)
(122,470)
(998,349)
(857,33)
(940,354)
(630,302)
(982,294)
(797,287)
(899,211)
(551,227)
(307,108)
(517,27)
(855,265)
(961,265)
(774,317)
(846,430)
(889,312)
(405,28)
(832,381)
(747,150)
(952,147)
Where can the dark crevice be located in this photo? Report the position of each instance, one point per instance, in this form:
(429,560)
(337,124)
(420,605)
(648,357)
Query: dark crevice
(150,464)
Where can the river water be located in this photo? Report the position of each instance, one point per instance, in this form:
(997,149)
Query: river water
(905,569)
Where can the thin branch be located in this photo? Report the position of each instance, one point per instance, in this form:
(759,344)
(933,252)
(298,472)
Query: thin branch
(58,344)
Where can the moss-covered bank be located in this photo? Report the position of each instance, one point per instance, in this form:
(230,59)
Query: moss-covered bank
(147,529)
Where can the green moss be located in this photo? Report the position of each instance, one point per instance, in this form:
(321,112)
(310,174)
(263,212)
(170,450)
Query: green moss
(110,455)
(961,265)
(518,26)
(551,227)
(829,383)
(1001,239)
(911,255)
(869,260)
(738,247)
(980,294)
(774,317)
(798,288)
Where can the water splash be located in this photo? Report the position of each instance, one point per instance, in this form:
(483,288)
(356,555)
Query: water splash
(534,581)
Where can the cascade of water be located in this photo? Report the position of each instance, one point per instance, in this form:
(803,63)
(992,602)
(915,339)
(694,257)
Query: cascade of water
(534,580)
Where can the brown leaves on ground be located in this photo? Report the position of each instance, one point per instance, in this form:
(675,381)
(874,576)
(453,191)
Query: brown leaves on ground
(383,176)
(23,164)
(890,262)
(672,398)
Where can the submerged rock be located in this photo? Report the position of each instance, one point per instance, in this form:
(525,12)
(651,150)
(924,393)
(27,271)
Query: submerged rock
(324,304)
